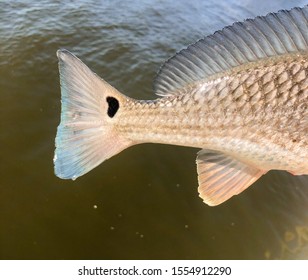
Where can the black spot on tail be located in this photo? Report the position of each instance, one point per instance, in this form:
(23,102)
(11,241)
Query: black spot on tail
(113,106)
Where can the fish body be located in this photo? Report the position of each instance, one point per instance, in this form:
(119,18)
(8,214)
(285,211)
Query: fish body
(241,95)
(256,115)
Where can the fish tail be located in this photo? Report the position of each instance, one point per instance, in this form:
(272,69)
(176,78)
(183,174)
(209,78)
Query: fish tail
(86,135)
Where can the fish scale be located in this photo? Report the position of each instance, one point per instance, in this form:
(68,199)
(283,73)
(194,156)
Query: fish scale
(248,128)
(166,114)
(241,95)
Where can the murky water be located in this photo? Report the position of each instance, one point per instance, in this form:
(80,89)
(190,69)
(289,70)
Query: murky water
(143,203)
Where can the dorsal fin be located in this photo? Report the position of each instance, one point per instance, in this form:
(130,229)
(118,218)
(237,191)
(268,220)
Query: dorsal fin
(254,39)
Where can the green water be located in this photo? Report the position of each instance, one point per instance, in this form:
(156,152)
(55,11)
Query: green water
(143,203)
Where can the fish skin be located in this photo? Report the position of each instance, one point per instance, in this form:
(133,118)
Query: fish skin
(257,113)
(243,103)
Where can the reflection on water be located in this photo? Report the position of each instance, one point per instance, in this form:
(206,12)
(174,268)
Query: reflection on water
(295,243)
(143,203)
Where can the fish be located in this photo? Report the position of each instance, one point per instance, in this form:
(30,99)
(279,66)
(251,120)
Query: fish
(240,95)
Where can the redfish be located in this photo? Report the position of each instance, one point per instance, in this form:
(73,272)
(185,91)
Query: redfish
(241,95)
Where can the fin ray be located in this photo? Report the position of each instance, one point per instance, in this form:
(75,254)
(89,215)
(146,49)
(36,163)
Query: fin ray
(275,34)
(221,176)
(85,136)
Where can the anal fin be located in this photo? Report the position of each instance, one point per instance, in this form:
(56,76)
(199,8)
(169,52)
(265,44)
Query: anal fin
(221,176)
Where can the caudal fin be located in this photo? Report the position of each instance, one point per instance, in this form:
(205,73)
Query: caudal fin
(86,135)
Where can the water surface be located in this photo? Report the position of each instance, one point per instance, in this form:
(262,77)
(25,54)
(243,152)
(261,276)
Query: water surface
(143,203)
